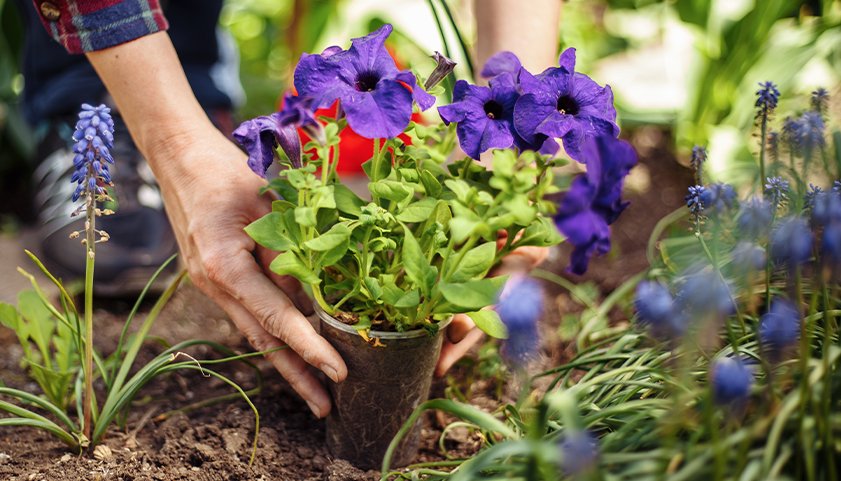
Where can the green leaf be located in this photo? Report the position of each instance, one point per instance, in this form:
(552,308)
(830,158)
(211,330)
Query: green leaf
(347,201)
(391,294)
(272,232)
(333,256)
(474,263)
(488,321)
(384,168)
(389,189)
(284,188)
(430,184)
(462,228)
(542,233)
(41,321)
(417,267)
(373,288)
(336,236)
(409,175)
(325,199)
(289,264)
(282,206)
(305,216)
(522,210)
(409,299)
(418,211)
(471,294)
(9,316)
(459,187)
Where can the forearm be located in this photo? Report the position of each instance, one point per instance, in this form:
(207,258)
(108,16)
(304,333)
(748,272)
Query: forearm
(528,28)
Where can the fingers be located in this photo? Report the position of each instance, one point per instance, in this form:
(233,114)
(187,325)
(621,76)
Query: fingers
(520,260)
(452,352)
(459,327)
(241,278)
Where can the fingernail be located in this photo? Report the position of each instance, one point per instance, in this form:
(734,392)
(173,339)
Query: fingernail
(314,409)
(331,373)
(305,303)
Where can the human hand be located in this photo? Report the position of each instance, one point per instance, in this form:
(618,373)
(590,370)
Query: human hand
(209,204)
(462,333)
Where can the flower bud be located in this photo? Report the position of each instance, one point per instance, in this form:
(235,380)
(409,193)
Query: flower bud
(444,67)
(520,307)
(579,451)
(732,381)
(779,328)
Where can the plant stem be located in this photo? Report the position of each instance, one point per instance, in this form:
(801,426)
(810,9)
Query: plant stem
(762,150)
(90,248)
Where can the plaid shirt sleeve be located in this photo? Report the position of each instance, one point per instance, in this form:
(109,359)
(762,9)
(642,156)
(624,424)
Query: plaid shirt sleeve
(90,25)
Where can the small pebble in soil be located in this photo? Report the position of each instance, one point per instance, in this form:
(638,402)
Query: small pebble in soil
(5,458)
(102,452)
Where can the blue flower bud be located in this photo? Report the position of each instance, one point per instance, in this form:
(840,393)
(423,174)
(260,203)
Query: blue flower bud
(705,293)
(80,146)
(718,198)
(92,183)
(97,167)
(579,451)
(77,192)
(779,328)
(95,121)
(748,256)
(520,307)
(75,177)
(791,241)
(755,216)
(78,161)
(90,133)
(96,143)
(87,114)
(78,134)
(732,381)
(82,124)
(86,106)
(103,152)
(657,309)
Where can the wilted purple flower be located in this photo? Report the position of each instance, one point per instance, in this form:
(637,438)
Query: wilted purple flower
(260,136)
(560,103)
(485,116)
(593,201)
(755,216)
(579,451)
(776,189)
(732,382)
(94,135)
(705,292)
(748,256)
(820,100)
(766,98)
(718,198)
(443,68)
(372,91)
(657,309)
(791,241)
(300,112)
(520,306)
(779,328)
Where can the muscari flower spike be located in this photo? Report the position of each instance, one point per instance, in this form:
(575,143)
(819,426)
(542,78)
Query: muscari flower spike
(809,131)
(657,310)
(766,98)
(485,117)
(94,135)
(698,157)
(826,213)
(561,103)
(704,292)
(376,97)
(718,198)
(593,201)
(520,306)
(773,143)
(755,216)
(777,190)
(579,451)
(820,100)
(732,382)
(694,201)
(747,256)
(779,328)
(791,241)
(811,196)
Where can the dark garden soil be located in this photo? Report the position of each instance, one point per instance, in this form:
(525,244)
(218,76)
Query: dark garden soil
(214,442)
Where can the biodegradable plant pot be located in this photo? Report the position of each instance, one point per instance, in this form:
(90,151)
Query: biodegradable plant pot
(383,387)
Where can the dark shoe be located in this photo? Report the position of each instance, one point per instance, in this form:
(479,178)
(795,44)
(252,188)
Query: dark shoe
(141,238)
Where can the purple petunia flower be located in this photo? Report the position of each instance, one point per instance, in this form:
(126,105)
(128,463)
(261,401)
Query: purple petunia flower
(593,201)
(260,136)
(503,62)
(300,111)
(373,93)
(520,307)
(485,116)
(560,103)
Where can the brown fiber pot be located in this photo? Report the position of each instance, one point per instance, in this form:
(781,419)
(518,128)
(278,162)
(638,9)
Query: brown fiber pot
(383,387)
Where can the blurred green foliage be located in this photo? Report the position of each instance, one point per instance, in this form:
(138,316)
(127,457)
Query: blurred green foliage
(15,138)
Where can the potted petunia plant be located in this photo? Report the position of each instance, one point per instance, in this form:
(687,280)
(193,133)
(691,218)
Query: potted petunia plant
(389,269)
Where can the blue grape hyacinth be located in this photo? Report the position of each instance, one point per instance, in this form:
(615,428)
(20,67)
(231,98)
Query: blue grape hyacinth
(766,98)
(94,135)
(779,328)
(791,241)
(755,216)
(579,451)
(520,307)
(656,309)
(732,382)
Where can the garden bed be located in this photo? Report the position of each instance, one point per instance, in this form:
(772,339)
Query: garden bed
(214,442)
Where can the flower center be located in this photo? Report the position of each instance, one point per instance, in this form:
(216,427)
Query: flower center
(493,110)
(567,105)
(367,81)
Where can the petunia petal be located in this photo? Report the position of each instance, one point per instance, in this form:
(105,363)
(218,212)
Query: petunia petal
(258,138)
(529,113)
(567,60)
(424,100)
(502,62)
(382,113)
